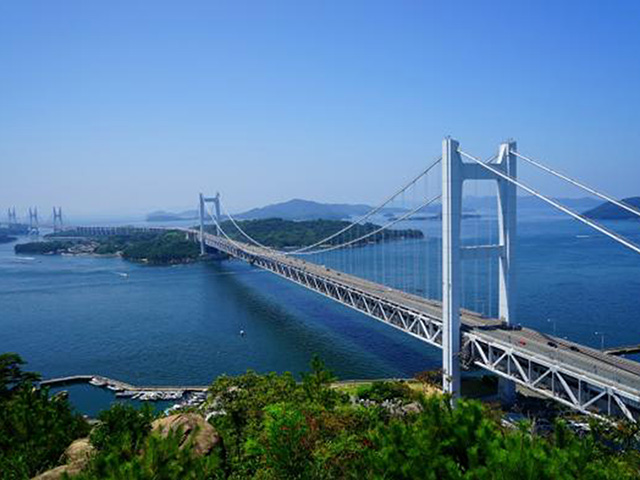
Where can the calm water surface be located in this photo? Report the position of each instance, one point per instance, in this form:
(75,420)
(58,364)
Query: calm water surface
(181,324)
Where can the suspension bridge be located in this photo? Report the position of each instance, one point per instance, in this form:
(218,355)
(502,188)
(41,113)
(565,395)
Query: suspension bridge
(583,378)
(455,289)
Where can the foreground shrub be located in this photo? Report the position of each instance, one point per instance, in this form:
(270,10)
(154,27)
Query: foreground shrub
(122,430)
(272,427)
(159,459)
(35,428)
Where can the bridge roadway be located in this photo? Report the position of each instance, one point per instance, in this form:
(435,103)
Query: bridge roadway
(581,377)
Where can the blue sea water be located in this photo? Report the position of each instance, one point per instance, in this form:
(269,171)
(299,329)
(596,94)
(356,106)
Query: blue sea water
(180,324)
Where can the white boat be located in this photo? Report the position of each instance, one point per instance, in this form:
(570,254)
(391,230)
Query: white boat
(96,382)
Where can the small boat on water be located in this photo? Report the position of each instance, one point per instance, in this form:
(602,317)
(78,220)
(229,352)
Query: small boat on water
(97,382)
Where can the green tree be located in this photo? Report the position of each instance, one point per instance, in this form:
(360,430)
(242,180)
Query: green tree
(35,428)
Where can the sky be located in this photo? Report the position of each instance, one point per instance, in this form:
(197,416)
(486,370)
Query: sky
(123,107)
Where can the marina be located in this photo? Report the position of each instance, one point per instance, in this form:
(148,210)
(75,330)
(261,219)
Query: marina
(125,390)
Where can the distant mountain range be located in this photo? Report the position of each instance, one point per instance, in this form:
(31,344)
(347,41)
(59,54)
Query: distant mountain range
(298,209)
(609,211)
(162,216)
(529,203)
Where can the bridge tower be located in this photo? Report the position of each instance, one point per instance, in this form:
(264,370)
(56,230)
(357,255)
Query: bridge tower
(57,219)
(454,173)
(11,213)
(33,221)
(202,210)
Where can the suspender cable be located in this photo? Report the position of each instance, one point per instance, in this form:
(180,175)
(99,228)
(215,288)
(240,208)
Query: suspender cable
(343,230)
(576,183)
(372,212)
(602,229)
(242,232)
(376,231)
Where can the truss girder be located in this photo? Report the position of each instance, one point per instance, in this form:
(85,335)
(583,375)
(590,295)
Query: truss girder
(573,388)
(413,322)
(576,389)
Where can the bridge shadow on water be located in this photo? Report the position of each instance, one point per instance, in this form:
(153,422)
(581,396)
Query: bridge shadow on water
(278,314)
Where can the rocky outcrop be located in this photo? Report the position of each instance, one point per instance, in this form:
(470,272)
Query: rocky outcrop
(195,430)
(77,456)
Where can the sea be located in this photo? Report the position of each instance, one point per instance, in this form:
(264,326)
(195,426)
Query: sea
(182,324)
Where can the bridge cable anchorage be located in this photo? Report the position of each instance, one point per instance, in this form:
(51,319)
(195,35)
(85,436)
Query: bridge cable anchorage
(576,183)
(590,223)
(378,230)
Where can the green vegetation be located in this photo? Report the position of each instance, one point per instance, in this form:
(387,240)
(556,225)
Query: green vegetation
(154,248)
(127,449)
(41,248)
(34,428)
(165,248)
(279,233)
(272,427)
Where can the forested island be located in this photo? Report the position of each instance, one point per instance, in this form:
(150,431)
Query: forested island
(274,427)
(279,233)
(154,248)
(169,247)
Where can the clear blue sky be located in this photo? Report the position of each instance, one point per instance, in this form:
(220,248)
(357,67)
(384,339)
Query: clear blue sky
(121,106)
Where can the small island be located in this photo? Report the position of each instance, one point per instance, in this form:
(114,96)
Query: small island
(172,246)
(162,216)
(610,211)
(279,233)
(162,248)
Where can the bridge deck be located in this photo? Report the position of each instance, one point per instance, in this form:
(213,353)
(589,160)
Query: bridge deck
(578,375)
(619,370)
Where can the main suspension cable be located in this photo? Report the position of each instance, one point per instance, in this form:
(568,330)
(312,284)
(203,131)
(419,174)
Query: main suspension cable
(245,234)
(578,184)
(378,230)
(343,230)
(371,212)
(557,205)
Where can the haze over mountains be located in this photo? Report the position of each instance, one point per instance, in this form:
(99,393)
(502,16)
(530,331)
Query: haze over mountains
(296,209)
(299,209)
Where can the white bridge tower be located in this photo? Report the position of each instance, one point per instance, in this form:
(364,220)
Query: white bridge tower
(203,206)
(454,173)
